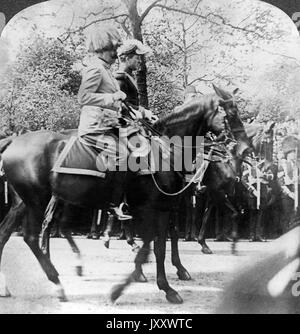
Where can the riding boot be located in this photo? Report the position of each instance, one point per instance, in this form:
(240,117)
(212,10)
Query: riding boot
(117,196)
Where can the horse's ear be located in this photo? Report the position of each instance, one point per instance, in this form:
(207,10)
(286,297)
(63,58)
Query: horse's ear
(222,93)
(235,91)
(217,90)
(270,126)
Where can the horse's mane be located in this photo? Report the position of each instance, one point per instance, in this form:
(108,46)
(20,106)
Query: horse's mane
(203,104)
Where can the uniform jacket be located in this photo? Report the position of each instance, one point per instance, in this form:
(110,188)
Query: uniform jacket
(99,112)
(129,87)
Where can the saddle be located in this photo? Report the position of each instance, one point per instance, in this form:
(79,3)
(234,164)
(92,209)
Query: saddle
(80,159)
(92,156)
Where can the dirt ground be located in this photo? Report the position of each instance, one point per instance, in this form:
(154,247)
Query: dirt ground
(103,268)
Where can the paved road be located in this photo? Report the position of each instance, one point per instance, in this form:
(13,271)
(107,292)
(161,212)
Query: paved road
(33,293)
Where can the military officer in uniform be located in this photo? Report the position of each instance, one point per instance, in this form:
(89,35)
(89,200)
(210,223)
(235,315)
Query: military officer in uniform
(130,58)
(101,99)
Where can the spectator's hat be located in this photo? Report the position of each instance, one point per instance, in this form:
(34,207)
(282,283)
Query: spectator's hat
(133,46)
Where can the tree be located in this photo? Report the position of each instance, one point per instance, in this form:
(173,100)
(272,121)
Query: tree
(41,88)
(195,42)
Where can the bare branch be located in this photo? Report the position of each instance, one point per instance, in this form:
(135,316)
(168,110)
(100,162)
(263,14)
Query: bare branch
(176,44)
(82,28)
(123,25)
(207,18)
(201,79)
(147,10)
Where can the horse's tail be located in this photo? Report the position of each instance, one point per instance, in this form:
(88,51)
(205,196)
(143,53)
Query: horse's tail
(4,143)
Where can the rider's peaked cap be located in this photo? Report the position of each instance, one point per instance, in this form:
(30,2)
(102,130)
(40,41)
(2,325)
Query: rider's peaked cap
(103,37)
(133,46)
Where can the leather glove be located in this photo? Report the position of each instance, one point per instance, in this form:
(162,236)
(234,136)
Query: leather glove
(148,114)
(119,96)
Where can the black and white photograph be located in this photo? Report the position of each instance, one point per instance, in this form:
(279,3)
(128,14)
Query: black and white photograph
(149,159)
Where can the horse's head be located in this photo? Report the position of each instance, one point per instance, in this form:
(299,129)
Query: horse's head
(234,123)
(195,118)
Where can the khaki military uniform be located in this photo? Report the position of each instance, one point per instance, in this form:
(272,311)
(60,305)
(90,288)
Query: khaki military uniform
(99,111)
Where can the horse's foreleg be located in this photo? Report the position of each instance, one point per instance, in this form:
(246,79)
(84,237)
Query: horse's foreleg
(160,254)
(31,237)
(201,236)
(182,273)
(12,220)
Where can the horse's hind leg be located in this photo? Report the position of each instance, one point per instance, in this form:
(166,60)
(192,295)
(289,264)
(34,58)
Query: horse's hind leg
(140,259)
(94,232)
(182,273)
(11,221)
(67,214)
(75,250)
(31,237)
(147,235)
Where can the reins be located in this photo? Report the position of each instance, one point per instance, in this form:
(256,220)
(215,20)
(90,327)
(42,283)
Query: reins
(201,170)
(195,179)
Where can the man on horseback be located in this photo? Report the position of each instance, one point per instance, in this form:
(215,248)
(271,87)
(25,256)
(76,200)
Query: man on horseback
(130,58)
(101,99)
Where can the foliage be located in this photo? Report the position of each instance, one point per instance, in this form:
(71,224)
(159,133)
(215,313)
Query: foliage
(236,43)
(41,87)
(164,84)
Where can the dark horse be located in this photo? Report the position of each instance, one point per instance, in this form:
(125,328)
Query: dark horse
(228,194)
(29,159)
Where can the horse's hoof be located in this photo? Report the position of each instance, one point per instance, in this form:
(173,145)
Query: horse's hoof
(173,297)
(206,250)
(116,292)
(184,275)
(62,296)
(79,271)
(106,243)
(141,278)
